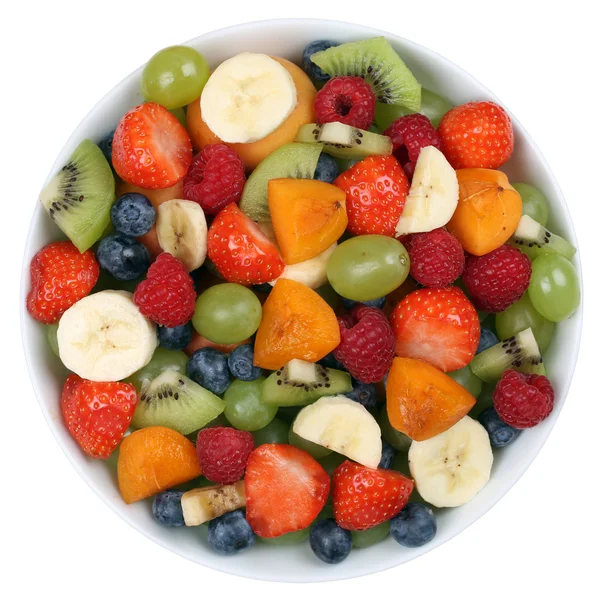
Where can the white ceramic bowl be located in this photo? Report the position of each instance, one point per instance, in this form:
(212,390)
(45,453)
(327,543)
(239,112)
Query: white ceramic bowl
(287,38)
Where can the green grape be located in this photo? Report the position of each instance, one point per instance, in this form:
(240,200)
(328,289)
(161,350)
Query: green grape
(468,380)
(175,76)
(485,400)
(520,316)
(180,114)
(219,421)
(400,464)
(554,287)
(534,202)
(276,432)
(227,313)
(396,439)
(315,450)
(161,361)
(328,294)
(331,462)
(368,267)
(371,536)
(51,336)
(244,407)
(294,537)
(326,512)
(288,413)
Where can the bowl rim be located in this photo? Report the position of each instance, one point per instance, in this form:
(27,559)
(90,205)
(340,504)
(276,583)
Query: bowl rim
(334,575)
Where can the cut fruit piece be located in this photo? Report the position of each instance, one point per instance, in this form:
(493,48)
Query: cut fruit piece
(308,216)
(155,459)
(377,63)
(520,352)
(422,401)
(344,141)
(295,160)
(175,401)
(342,425)
(311,272)
(79,197)
(300,383)
(534,239)
(204,504)
(296,323)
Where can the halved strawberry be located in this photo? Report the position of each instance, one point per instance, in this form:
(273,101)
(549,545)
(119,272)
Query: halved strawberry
(286,488)
(364,497)
(240,250)
(437,325)
(151,148)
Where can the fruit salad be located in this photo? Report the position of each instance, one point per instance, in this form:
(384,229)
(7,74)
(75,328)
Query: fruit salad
(300,302)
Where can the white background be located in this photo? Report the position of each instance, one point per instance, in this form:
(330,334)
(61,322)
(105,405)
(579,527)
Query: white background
(58,58)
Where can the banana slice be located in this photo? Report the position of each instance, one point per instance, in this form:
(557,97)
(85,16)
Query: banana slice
(311,272)
(433,194)
(247,97)
(104,337)
(203,504)
(343,426)
(452,467)
(182,232)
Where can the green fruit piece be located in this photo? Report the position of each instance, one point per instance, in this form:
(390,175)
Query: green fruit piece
(468,380)
(535,203)
(294,537)
(331,462)
(244,407)
(484,401)
(288,413)
(400,464)
(315,450)
(162,360)
(371,536)
(79,197)
(276,432)
(534,239)
(219,421)
(433,106)
(179,113)
(51,331)
(328,294)
(396,439)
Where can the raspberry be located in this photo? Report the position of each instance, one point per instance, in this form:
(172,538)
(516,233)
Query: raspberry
(409,134)
(497,280)
(436,258)
(523,400)
(367,344)
(167,295)
(215,179)
(223,453)
(348,100)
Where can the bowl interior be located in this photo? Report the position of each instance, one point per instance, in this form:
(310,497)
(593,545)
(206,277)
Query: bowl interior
(287,38)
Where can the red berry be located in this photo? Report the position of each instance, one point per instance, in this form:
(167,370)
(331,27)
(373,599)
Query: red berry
(151,148)
(437,325)
(348,100)
(97,414)
(436,258)
(497,280)
(167,295)
(523,400)
(409,134)
(286,488)
(60,276)
(215,179)
(367,344)
(223,453)
(376,189)
(476,135)
(240,250)
(364,497)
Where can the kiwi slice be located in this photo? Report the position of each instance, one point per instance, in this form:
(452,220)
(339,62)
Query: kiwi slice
(79,196)
(299,383)
(294,160)
(173,400)
(378,64)
(344,141)
(534,239)
(519,352)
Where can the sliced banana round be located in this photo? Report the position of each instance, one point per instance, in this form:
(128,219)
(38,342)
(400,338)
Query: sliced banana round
(247,97)
(182,231)
(311,272)
(342,425)
(452,467)
(104,337)
(433,195)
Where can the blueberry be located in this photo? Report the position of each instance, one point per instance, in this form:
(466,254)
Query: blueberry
(133,214)
(208,368)
(387,455)
(327,169)
(175,338)
(487,340)
(363,393)
(106,146)
(230,533)
(329,541)
(123,257)
(166,508)
(331,362)
(241,363)
(377,303)
(262,288)
(414,525)
(501,434)
(309,67)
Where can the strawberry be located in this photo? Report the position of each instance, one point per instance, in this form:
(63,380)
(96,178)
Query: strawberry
(364,497)
(151,148)
(60,276)
(286,488)
(97,414)
(240,250)
(376,189)
(437,325)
